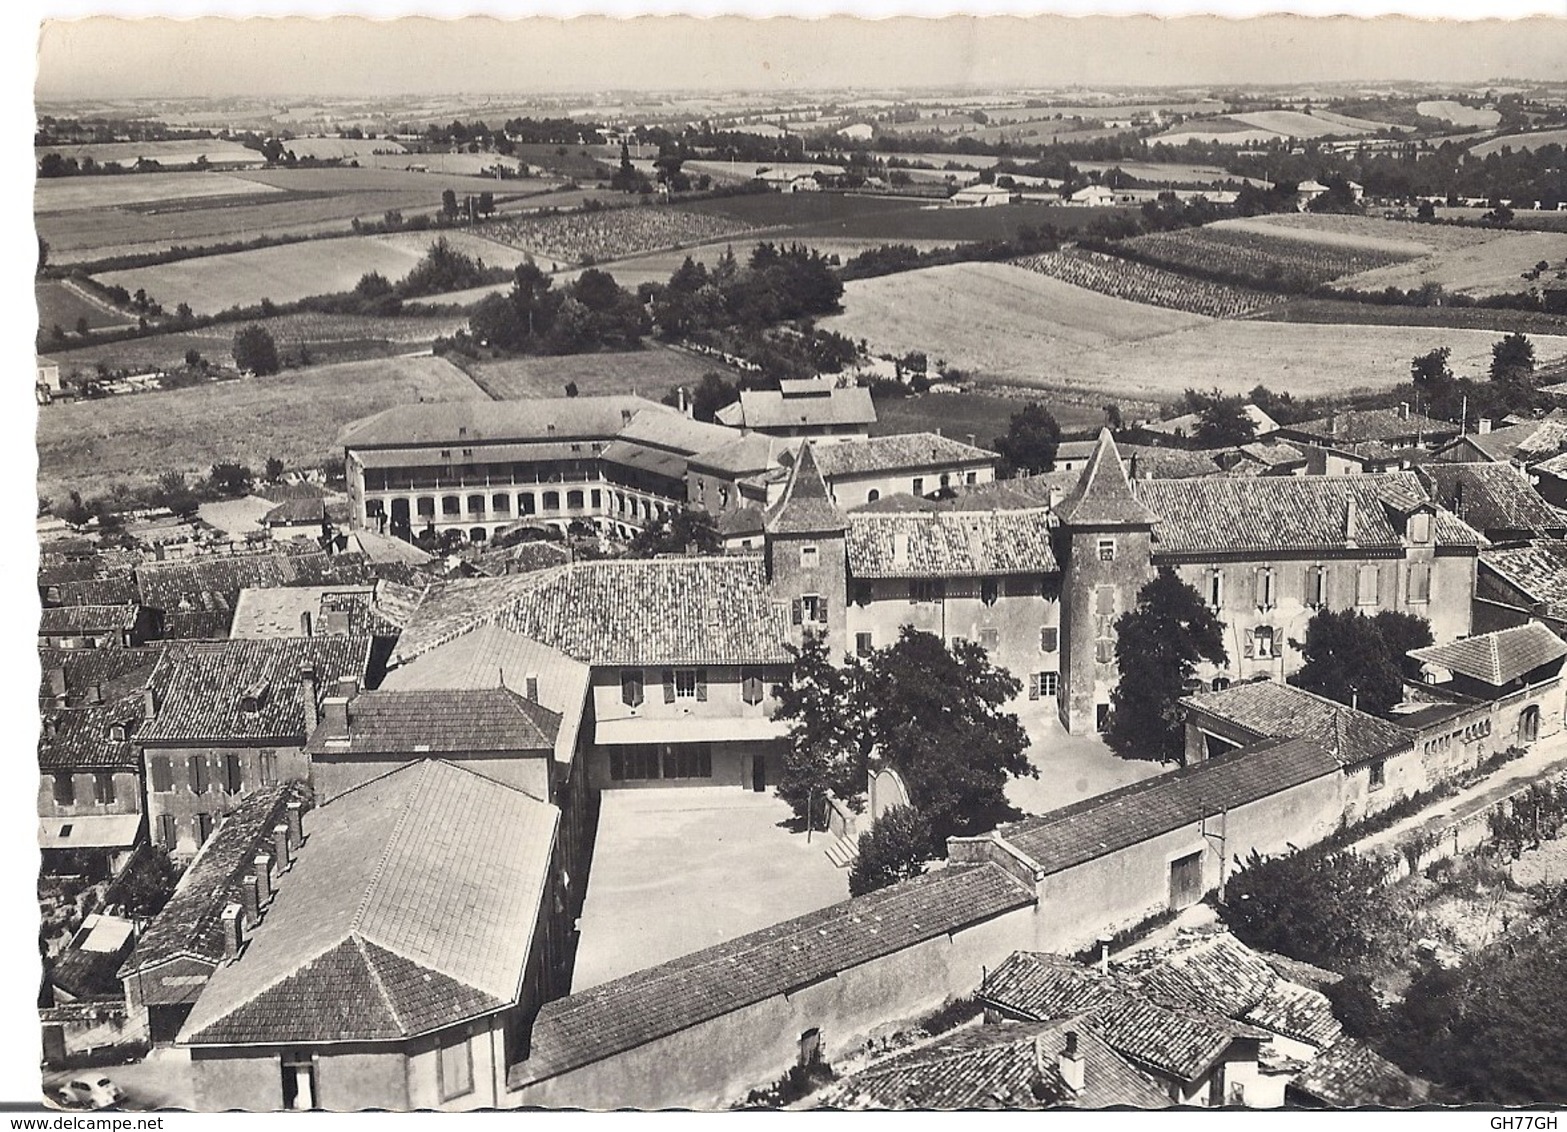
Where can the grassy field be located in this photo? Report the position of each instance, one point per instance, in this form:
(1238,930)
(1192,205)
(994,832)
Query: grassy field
(60,304)
(958,225)
(982,415)
(790,210)
(1516,142)
(343,147)
(1457,113)
(576,163)
(1006,324)
(181,151)
(290,272)
(651,372)
(1492,267)
(73,194)
(1392,236)
(295,415)
(1457,318)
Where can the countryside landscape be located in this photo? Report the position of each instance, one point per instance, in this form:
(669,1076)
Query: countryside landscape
(675,564)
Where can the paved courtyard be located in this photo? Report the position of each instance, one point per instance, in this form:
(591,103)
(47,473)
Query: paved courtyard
(677,870)
(1071,767)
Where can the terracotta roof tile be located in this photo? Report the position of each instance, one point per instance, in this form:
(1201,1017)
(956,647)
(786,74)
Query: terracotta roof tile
(1497,658)
(434,722)
(1538,570)
(1493,497)
(1353,426)
(1268,709)
(1103,495)
(115,672)
(114,589)
(64,620)
(898,452)
(496,422)
(806,506)
(1348,1074)
(82,738)
(769,408)
(944,544)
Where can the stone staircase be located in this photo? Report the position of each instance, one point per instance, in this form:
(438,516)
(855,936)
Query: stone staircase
(843,851)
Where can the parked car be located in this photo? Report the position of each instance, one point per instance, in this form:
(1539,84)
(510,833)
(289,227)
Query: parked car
(91,1091)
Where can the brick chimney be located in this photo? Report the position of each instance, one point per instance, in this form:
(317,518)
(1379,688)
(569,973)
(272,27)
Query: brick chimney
(282,851)
(250,899)
(295,820)
(347,687)
(233,931)
(1349,521)
(149,704)
(1483,426)
(1070,1063)
(1403,410)
(263,863)
(531,683)
(307,696)
(304,622)
(1104,955)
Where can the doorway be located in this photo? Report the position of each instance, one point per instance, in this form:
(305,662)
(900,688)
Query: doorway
(1529,724)
(299,1083)
(759,773)
(1185,880)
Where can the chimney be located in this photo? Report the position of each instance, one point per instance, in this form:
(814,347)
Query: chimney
(250,899)
(971,442)
(1483,426)
(1403,410)
(347,687)
(1333,425)
(531,682)
(1349,520)
(94,694)
(1070,1063)
(295,820)
(1104,955)
(263,863)
(149,704)
(334,714)
(57,685)
(282,851)
(1131,472)
(307,696)
(304,623)
(232,931)
(900,546)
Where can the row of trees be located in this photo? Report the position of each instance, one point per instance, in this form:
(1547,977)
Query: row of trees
(1509,387)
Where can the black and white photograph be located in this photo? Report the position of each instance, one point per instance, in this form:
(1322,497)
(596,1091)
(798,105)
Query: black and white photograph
(960,562)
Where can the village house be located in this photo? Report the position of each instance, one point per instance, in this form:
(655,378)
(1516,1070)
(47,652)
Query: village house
(980,196)
(1184,429)
(404,951)
(232,717)
(1496,500)
(1391,428)
(96,626)
(238,865)
(814,407)
(1523,444)
(1550,479)
(90,814)
(1518,584)
(1513,676)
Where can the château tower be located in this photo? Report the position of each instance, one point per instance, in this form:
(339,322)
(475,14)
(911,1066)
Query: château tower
(807,562)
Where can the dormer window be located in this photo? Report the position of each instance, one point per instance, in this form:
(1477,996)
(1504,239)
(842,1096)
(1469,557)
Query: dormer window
(254,698)
(116,732)
(1420,527)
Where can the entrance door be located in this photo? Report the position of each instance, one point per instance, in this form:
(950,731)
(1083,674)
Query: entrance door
(1186,880)
(1529,724)
(759,773)
(299,1085)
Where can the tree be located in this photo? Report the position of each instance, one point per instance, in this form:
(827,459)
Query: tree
(1223,423)
(937,717)
(1430,371)
(175,494)
(1322,908)
(1031,440)
(895,848)
(711,394)
(828,713)
(486,203)
(448,203)
(230,478)
(1512,359)
(1426,211)
(676,532)
(1159,643)
(255,351)
(76,512)
(147,884)
(274,470)
(1349,659)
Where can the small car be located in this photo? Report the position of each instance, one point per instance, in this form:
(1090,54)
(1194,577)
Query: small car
(91,1091)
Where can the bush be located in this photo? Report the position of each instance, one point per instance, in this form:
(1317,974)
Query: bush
(1318,907)
(895,848)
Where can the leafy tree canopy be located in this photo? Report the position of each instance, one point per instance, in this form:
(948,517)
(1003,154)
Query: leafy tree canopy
(1033,435)
(255,351)
(1359,660)
(895,848)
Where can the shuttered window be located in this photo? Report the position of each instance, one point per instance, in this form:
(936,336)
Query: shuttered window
(1104,600)
(862,644)
(199,774)
(1420,582)
(688,760)
(631,687)
(1104,650)
(204,825)
(168,831)
(1366,585)
(1049,638)
(1049,684)
(751,686)
(233,771)
(669,685)
(162,773)
(456,1068)
(64,790)
(989,590)
(103,789)
(1265,588)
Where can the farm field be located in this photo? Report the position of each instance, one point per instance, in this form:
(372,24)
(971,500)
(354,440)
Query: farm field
(326,148)
(608,234)
(69,194)
(1259,256)
(1459,318)
(291,272)
(1006,324)
(296,415)
(651,372)
(1370,231)
(577,162)
(450,164)
(1537,220)
(325,335)
(340,180)
(1140,283)
(182,151)
(1492,267)
(1457,113)
(780,210)
(1173,173)
(1534,140)
(955,225)
(984,415)
(60,304)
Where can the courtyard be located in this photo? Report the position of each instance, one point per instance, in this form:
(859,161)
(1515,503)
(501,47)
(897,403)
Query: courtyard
(1071,767)
(678,870)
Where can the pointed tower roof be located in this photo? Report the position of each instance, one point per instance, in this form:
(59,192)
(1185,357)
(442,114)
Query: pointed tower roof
(806,506)
(1103,497)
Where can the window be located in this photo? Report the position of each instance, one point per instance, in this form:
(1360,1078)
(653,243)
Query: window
(268,760)
(1216,588)
(872,495)
(924,591)
(862,593)
(232,771)
(1366,585)
(810,557)
(199,773)
(862,644)
(1044,685)
(685,683)
(168,831)
(971,478)
(1104,650)
(628,764)
(1419,582)
(688,760)
(989,639)
(1263,643)
(1107,550)
(631,687)
(1420,527)
(751,690)
(919,485)
(989,590)
(810,1047)
(203,828)
(103,789)
(64,790)
(1104,600)
(162,773)
(1317,586)
(1266,596)
(456,1068)
(1049,638)
(1378,773)
(813,609)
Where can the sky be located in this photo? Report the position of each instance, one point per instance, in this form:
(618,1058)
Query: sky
(355,56)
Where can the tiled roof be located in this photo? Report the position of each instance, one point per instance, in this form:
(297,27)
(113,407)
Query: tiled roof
(1539,570)
(410,907)
(1526,443)
(520,558)
(620,611)
(1103,495)
(175,585)
(1271,513)
(1022,493)
(438,722)
(80,737)
(496,422)
(54,569)
(1556,465)
(1497,658)
(1268,709)
(1097,827)
(662,427)
(116,672)
(1274,453)
(197,625)
(65,620)
(806,507)
(334,611)
(296,511)
(745,455)
(1188,424)
(904,450)
(1492,497)
(115,589)
(642,1007)
(191,922)
(1179,1038)
(769,408)
(1151,462)
(945,544)
(1348,1074)
(208,682)
(646,458)
(1354,426)
(1013,1065)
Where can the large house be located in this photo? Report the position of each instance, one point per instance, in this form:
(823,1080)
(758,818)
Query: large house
(814,407)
